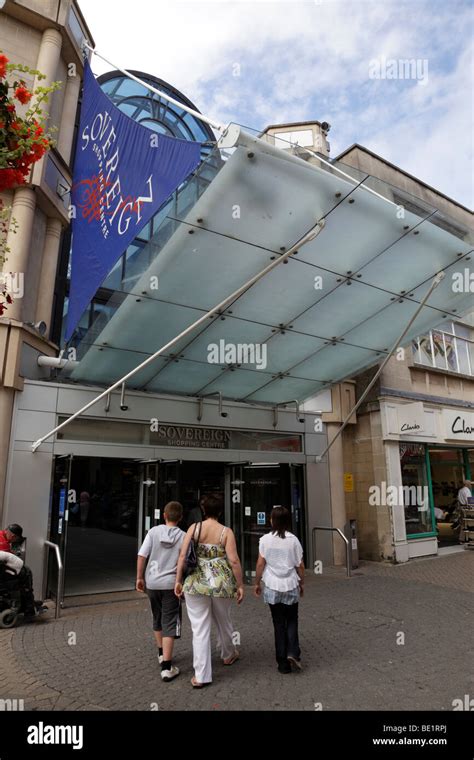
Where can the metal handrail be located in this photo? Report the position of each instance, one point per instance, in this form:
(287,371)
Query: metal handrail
(344,538)
(59,590)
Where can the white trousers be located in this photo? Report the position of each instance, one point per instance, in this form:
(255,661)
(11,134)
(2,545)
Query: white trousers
(202,610)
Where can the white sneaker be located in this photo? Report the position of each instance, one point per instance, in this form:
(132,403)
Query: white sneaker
(160,658)
(168,675)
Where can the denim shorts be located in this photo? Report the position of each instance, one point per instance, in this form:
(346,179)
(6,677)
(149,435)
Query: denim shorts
(270,596)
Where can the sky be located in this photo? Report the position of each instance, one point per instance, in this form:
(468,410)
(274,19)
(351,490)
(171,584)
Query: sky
(341,61)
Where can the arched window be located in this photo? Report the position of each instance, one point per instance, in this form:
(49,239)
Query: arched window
(153,111)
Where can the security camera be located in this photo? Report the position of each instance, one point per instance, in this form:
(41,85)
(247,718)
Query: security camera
(40,327)
(224,414)
(325,126)
(123,407)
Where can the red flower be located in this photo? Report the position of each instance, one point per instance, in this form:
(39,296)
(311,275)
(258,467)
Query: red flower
(10,178)
(22,94)
(3,65)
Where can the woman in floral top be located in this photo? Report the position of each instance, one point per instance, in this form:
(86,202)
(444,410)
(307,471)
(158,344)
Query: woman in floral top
(209,590)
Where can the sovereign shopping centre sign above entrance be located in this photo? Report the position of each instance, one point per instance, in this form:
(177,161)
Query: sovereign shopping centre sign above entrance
(219,438)
(182,436)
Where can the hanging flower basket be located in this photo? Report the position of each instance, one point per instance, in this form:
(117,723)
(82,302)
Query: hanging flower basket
(23,141)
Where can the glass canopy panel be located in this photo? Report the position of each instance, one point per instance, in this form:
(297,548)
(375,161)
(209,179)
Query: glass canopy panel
(237,384)
(419,255)
(285,389)
(223,338)
(334,362)
(285,293)
(265,211)
(107,364)
(278,198)
(337,312)
(199,269)
(182,377)
(448,296)
(381,331)
(159,323)
(291,346)
(364,224)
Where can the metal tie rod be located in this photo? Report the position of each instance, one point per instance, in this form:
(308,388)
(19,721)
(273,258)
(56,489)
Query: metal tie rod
(310,235)
(219,127)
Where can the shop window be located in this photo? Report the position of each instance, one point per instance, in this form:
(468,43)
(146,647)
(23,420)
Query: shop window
(447,473)
(415,490)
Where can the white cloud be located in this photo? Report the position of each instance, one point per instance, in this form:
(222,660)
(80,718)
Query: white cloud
(306,60)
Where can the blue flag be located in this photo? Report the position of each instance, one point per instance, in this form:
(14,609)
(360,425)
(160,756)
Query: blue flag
(123,173)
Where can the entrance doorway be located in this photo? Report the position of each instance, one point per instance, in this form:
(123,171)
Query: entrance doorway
(255,490)
(102,509)
(95,520)
(448,468)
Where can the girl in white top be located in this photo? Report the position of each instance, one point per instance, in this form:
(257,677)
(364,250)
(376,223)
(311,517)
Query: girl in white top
(280,566)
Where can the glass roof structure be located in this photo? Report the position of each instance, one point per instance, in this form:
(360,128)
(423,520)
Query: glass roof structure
(153,111)
(334,308)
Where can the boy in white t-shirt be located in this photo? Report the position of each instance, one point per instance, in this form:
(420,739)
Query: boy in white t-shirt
(159,555)
(280,566)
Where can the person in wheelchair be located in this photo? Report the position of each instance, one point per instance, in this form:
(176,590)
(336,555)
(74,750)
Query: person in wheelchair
(15,575)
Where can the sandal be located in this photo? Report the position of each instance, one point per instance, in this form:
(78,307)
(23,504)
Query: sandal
(196,685)
(233,659)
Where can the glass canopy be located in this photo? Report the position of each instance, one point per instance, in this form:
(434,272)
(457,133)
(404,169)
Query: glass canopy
(333,309)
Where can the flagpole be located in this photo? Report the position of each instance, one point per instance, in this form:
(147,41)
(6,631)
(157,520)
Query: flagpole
(219,127)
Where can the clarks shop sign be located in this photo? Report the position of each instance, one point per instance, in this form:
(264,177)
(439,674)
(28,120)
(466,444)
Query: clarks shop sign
(410,419)
(192,437)
(458,425)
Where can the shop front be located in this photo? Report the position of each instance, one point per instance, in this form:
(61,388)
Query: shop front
(434,446)
(115,502)
(104,481)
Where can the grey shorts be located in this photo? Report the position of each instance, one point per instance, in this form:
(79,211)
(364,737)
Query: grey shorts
(166,611)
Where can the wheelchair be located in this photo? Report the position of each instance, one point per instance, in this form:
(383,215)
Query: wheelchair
(10,599)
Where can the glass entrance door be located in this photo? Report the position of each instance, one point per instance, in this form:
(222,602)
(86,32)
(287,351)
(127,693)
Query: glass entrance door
(63,503)
(149,511)
(103,525)
(254,490)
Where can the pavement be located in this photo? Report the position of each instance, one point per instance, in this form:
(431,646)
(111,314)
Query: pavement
(392,637)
